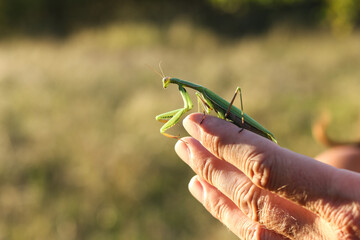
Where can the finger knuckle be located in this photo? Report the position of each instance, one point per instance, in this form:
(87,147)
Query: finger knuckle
(254,231)
(218,208)
(248,230)
(208,170)
(262,169)
(212,143)
(246,196)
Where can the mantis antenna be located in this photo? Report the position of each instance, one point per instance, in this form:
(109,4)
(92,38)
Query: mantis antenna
(161,74)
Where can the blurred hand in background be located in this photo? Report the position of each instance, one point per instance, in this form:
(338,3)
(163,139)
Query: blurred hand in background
(260,190)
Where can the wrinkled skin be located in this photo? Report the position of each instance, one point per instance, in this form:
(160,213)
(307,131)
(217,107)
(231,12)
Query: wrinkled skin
(260,190)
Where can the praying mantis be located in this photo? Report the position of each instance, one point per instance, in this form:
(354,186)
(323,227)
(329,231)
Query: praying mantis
(208,100)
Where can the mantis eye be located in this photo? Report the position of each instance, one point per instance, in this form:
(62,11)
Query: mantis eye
(166,81)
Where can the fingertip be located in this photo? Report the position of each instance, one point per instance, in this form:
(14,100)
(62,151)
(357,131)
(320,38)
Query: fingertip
(195,117)
(181,145)
(191,124)
(196,188)
(198,123)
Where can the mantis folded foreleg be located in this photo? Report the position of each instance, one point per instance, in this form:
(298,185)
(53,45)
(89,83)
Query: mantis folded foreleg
(173,117)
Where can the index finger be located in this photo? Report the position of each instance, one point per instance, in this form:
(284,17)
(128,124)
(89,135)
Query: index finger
(299,178)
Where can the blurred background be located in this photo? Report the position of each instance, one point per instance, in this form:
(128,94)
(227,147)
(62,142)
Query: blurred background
(81,156)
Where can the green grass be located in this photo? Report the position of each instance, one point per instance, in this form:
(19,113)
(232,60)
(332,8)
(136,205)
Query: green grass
(80,151)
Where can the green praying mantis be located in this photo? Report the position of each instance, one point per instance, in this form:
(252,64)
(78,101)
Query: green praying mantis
(208,100)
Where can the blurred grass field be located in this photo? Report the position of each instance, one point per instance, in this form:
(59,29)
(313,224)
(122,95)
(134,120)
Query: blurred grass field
(80,151)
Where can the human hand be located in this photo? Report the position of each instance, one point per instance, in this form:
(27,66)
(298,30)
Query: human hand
(260,190)
(342,156)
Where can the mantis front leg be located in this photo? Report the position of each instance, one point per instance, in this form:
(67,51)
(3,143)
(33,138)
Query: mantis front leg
(204,105)
(173,117)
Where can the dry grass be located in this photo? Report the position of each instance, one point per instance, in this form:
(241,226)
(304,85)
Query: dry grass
(80,152)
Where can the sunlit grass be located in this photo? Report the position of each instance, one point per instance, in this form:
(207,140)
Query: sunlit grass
(81,154)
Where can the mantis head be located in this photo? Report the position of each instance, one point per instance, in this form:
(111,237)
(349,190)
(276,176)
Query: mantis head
(166,81)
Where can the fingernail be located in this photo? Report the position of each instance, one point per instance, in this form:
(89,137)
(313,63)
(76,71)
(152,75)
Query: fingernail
(196,188)
(183,150)
(191,126)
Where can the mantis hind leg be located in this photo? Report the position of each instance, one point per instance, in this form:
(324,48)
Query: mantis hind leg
(237,91)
